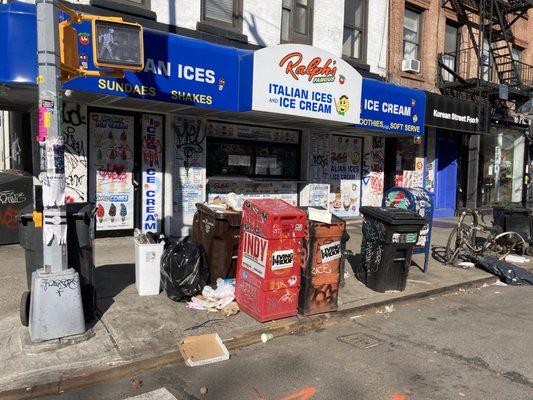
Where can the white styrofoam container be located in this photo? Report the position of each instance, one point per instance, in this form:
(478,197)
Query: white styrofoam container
(147,268)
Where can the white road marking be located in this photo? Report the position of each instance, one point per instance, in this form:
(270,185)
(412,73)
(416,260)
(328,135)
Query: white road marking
(159,394)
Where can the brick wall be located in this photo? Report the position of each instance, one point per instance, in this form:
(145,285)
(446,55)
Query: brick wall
(433,24)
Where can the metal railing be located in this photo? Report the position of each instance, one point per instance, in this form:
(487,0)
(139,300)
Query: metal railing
(465,65)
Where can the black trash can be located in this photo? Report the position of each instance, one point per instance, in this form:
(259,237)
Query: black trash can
(16,193)
(513,218)
(80,244)
(389,235)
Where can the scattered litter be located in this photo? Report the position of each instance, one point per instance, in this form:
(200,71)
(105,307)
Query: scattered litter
(516,259)
(466,264)
(219,299)
(203,391)
(136,383)
(379,312)
(265,337)
(462,394)
(416,281)
(192,328)
(496,292)
(389,308)
(346,275)
(202,350)
(507,272)
(499,283)
(356,316)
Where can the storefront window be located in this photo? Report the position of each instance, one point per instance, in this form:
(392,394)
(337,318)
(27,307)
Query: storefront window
(261,152)
(502,163)
(409,162)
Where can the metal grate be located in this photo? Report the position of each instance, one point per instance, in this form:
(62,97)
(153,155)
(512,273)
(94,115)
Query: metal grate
(360,340)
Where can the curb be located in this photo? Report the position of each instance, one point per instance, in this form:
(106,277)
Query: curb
(277,328)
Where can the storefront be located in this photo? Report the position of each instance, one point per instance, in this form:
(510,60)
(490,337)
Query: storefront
(202,121)
(449,122)
(501,166)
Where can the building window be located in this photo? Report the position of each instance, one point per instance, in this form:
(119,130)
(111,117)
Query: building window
(252,151)
(225,13)
(452,38)
(411,35)
(354,29)
(296,21)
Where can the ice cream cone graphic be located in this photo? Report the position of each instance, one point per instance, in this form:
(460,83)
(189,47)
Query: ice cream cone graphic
(123,137)
(112,212)
(100,213)
(123,212)
(111,138)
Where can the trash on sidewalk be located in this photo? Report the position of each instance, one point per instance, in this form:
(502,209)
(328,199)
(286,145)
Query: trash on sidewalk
(203,349)
(507,272)
(184,270)
(267,336)
(148,251)
(516,259)
(219,299)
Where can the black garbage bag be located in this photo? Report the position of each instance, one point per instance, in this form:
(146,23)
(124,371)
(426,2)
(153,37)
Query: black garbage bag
(184,270)
(509,273)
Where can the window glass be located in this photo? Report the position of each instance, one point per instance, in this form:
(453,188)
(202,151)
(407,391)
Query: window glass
(353,12)
(451,37)
(219,10)
(411,27)
(352,43)
(300,22)
(517,54)
(502,163)
(229,158)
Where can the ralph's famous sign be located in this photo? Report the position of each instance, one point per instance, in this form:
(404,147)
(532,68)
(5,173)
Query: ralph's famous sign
(307,82)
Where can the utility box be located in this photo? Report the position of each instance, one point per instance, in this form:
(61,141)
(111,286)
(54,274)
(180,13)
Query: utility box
(324,244)
(269,259)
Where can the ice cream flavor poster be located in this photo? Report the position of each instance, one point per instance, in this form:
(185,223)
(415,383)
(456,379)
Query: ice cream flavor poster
(112,164)
(345,175)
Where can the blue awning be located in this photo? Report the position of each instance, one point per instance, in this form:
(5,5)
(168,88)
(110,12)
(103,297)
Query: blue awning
(177,69)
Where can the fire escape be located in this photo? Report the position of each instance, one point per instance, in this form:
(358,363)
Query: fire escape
(486,71)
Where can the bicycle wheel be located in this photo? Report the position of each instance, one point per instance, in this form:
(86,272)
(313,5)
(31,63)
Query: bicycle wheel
(453,247)
(504,243)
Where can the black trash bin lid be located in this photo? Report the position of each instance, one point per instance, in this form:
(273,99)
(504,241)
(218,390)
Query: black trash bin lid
(393,216)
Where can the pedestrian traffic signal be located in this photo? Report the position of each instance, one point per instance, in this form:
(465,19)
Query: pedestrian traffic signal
(117,44)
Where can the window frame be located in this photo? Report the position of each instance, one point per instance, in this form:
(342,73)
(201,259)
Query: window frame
(295,37)
(420,14)
(363,29)
(458,40)
(237,17)
(297,147)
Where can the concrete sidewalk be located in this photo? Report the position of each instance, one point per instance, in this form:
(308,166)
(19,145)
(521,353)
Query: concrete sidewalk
(133,328)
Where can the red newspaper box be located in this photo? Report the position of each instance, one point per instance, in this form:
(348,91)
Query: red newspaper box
(270,258)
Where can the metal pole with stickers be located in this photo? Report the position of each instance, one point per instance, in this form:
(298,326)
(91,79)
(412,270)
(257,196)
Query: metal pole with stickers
(56,307)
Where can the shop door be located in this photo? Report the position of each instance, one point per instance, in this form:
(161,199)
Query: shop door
(446,180)
(112,182)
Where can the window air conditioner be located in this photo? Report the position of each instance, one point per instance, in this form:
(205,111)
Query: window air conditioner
(411,65)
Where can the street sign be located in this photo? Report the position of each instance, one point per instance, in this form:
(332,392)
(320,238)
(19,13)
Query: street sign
(117,45)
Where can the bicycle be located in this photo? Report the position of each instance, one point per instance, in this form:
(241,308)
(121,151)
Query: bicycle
(464,244)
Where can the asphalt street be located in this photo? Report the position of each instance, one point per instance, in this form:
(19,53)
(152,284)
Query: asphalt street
(472,344)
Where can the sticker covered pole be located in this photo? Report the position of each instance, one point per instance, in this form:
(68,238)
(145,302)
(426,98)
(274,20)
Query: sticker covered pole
(55,309)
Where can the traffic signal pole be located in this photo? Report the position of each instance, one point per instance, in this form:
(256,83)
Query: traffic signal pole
(56,308)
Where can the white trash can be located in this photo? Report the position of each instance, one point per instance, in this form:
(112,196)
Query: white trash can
(147,268)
